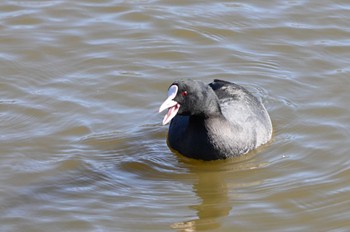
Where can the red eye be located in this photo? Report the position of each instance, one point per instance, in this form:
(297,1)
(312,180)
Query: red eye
(184,93)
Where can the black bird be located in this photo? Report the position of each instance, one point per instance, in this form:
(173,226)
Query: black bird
(214,121)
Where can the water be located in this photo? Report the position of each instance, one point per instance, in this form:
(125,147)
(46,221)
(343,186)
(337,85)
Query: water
(82,145)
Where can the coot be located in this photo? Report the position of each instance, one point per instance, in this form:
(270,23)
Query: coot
(214,121)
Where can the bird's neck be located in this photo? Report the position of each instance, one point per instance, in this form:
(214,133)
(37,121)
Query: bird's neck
(213,108)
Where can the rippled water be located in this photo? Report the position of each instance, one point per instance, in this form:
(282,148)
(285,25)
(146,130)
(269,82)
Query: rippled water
(82,146)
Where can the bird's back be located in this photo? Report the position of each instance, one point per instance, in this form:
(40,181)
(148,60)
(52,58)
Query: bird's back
(244,110)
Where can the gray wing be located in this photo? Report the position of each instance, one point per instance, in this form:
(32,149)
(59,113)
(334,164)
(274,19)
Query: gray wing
(244,110)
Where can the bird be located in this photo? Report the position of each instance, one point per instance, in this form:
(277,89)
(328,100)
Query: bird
(214,121)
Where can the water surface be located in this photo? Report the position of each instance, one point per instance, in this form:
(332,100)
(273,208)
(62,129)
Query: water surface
(82,145)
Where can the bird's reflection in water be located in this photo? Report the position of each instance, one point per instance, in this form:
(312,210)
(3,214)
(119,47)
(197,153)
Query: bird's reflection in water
(214,187)
(211,188)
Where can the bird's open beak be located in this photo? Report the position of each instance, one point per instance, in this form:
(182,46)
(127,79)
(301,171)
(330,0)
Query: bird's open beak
(172,106)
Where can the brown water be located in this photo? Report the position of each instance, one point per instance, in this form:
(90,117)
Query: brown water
(82,145)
